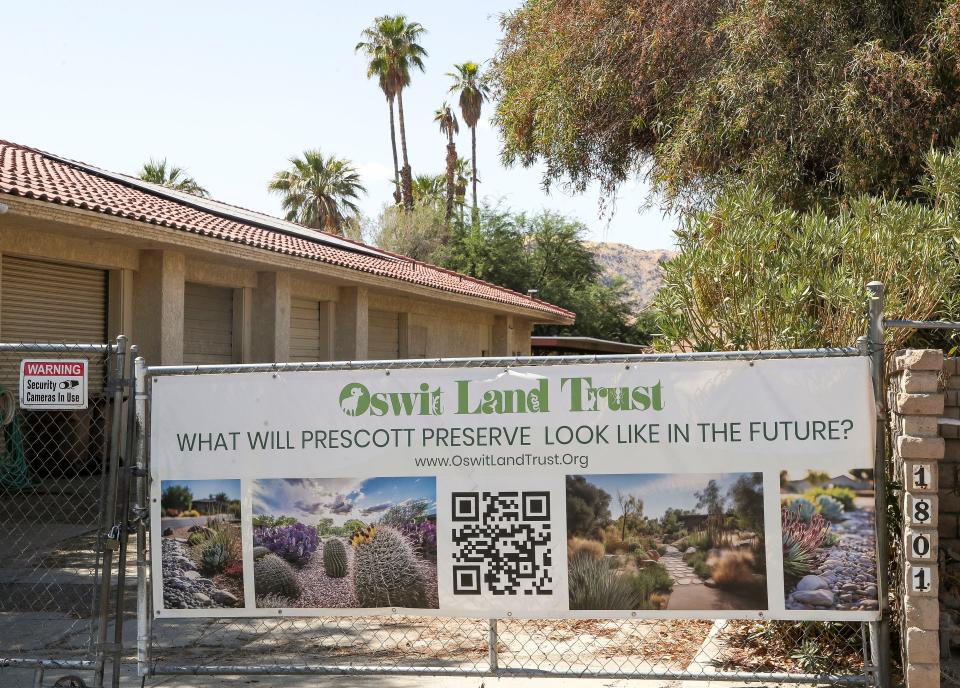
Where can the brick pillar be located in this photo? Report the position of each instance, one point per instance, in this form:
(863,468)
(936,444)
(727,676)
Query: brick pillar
(916,403)
(949,491)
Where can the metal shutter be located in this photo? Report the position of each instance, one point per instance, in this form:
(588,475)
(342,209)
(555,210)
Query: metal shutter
(51,302)
(305,330)
(383,338)
(207,324)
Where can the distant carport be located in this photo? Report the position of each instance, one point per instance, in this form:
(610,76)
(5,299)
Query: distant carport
(543,346)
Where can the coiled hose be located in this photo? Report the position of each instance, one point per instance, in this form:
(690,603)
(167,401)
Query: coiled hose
(14,472)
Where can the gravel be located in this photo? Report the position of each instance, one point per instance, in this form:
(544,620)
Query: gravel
(319,591)
(184,587)
(846,575)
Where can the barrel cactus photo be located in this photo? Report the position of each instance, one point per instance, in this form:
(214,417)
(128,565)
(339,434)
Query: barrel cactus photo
(334,558)
(201,550)
(332,543)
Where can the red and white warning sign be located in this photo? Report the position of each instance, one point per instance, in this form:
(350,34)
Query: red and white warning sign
(53,384)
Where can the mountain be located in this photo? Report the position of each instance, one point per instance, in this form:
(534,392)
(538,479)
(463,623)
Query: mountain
(640,269)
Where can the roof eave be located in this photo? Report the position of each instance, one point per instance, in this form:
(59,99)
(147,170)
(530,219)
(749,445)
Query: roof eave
(63,213)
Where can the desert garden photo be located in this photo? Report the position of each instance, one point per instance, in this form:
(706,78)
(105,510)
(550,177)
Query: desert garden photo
(202,560)
(666,541)
(345,542)
(829,539)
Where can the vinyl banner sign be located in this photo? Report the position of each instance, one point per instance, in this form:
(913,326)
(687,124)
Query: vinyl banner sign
(727,489)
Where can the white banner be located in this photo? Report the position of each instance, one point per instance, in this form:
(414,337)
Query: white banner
(729,489)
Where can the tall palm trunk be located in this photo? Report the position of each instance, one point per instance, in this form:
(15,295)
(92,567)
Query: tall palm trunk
(405,172)
(451,163)
(475,214)
(396,165)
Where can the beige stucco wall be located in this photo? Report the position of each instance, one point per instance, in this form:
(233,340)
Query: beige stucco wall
(149,266)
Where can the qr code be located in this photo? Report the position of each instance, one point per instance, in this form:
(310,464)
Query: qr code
(502,543)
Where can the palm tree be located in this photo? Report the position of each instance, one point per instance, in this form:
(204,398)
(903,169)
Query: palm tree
(319,191)
(462,173)
(449,126)
(176,178)
(473,92)
(428,190)
(390,44)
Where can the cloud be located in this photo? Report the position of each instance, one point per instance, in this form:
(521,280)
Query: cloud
(313,508)
(382,506)
(340,505)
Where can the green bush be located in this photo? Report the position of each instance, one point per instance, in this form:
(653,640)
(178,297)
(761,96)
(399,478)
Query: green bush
(830,508)
(214,557)
(650,580)
(802,508)
(752,275)
(698,539)
(844,495)
(698,562)
(594,587)
(219,549)
(197,538)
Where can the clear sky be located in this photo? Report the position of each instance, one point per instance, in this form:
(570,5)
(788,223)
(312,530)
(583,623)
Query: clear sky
(230,90)
(660,491)
(340,499)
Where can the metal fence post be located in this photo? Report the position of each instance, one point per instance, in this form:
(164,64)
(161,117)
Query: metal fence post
(492,649)
(880,630)
(141,506)
(110,542)
(124,520)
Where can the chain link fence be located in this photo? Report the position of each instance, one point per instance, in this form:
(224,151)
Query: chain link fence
(742,650)
(54,481)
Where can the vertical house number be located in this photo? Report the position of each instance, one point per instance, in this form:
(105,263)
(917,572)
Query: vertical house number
(920,545)
(920,579)
(921,476)
(922,510)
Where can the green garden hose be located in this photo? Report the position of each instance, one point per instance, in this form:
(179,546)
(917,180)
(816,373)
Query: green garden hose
(14,472)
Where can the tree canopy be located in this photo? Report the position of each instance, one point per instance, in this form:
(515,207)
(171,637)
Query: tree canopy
(807,101)
(588,507)
(544,251)
(319,191)
(751,274)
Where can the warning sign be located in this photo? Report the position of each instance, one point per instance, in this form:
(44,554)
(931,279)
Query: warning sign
(53,384)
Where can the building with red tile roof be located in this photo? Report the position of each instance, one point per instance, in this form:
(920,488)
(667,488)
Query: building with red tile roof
(88,254)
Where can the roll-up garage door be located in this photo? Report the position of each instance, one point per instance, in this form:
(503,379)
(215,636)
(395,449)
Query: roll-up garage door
(383,341)
(305,330)
(207,324)
(42,301)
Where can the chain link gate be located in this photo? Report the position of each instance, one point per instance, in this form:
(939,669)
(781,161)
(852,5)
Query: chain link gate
(775,651)
(58,487)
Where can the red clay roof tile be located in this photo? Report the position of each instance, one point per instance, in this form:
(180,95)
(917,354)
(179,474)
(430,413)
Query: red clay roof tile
(30,173)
